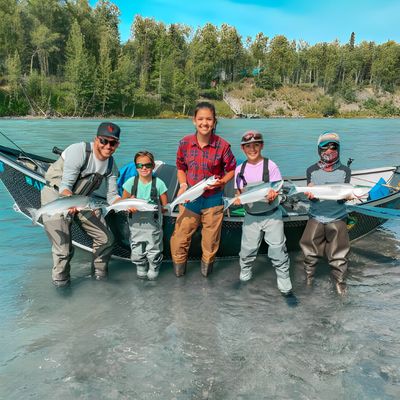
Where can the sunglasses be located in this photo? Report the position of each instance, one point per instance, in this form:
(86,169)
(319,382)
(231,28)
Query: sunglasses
(105,142)
(252,136)
(146,165)
(329,146)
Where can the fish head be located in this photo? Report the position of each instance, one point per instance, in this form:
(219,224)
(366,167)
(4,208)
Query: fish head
(211,180)
(96,203)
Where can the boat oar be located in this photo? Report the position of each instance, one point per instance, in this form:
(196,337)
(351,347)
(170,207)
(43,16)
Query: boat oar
(377,212)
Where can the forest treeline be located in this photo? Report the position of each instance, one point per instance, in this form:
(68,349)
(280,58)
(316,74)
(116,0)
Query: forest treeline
(65,58)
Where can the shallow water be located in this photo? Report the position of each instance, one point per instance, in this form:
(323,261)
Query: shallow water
(196,338)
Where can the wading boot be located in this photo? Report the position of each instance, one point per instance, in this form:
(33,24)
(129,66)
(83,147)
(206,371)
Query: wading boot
(179,269)
(206,268)
(62,284)
(309,280)
(341,288)
(152,274)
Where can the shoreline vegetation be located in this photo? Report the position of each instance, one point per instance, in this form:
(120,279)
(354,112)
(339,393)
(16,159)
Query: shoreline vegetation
(66,60)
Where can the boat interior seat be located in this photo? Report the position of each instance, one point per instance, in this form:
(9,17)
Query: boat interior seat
(167,173)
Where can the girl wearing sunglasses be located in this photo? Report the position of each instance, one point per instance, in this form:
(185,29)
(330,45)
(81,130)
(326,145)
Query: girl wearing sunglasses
(146,235)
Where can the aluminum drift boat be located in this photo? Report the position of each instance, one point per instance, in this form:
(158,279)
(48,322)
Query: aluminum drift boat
(23,176)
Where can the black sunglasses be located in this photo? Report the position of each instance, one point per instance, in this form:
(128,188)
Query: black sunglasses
(105,142)
(329,146)
(147,165)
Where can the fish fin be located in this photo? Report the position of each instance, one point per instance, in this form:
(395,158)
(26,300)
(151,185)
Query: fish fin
(292,188)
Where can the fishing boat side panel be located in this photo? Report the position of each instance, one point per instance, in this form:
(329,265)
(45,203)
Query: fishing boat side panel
(24,180)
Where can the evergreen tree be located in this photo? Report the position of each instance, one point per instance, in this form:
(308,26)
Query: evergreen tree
(125,83)
(13,71)
(352,40)
(104,82)
(230,51)
(79,71)
(44,43)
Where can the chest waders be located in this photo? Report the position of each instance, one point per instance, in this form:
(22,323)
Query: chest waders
(58,228)
(257,226)
(146,236)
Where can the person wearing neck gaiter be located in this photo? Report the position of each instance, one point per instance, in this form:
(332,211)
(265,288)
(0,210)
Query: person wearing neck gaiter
(326,230)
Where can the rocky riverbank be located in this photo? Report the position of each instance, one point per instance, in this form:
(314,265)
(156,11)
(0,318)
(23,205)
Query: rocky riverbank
(247,100)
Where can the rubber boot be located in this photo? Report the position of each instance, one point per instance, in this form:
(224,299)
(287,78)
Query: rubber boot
(206,268)
(341,288)
(61,284)
(141,271)
(246,274)
(152,273)
(309,279)
(179,269)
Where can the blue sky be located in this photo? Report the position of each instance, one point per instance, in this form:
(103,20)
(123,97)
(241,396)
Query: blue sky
(312,21)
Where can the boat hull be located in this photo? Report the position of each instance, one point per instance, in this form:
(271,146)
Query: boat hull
(24,180)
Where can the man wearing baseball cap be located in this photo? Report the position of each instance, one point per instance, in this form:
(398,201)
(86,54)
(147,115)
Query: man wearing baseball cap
(81,169)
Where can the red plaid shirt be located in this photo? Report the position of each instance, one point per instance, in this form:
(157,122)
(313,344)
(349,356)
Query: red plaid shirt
(216,158)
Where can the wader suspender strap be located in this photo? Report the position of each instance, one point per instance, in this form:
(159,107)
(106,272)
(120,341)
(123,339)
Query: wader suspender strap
(109,167)
(88,184)
(135,186)
(240,175)
(153,191)
(265,171)
(88,151)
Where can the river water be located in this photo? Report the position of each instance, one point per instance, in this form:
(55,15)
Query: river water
(196,338)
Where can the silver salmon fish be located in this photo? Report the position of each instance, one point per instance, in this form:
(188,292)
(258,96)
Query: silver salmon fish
(338,191)
(62,206)
(126,204)
(192,193)
(254,194)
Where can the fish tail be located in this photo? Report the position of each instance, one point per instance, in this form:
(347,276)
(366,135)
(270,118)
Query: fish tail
(168,207)
(227,202)
(34,214)
(104,210)
(292,190)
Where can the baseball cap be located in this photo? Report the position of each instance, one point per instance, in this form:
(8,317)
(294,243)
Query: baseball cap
(252,137)
(108,129)
(328,137)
